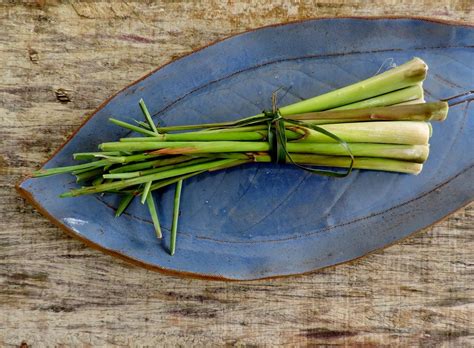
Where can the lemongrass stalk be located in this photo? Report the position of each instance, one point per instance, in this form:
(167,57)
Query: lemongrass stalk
(400,151)
(89,174)
(150,164)
(408,74)
(132,127)
(188,147)
(413,153)
(93,155)
(121,184)
(68,169)
(174,225)
(84,167)
(370,163)
(203,136)
(436,111)
(147,116)
(257,127)
(128,175)
(145,192)
(154,215)
(402,95)
(124,203)
(396,132)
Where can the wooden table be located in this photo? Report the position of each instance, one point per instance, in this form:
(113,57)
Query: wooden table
(60,61)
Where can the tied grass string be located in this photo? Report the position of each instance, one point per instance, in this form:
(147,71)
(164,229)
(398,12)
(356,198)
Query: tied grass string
(277,140)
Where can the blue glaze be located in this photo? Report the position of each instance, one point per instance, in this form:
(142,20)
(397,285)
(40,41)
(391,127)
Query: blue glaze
(265,220)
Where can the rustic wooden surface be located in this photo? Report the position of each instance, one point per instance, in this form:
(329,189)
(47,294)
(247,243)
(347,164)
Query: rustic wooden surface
(58,61)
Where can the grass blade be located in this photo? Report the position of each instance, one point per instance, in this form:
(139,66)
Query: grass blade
(174,226)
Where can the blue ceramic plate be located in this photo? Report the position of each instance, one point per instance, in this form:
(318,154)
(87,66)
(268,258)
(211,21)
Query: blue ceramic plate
(265,220)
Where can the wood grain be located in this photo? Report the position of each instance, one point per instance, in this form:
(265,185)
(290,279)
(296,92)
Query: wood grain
(59,61)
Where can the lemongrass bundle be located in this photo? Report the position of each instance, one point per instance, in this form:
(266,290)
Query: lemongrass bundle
(381,123)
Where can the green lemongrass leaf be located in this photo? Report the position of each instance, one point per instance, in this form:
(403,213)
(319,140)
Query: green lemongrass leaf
(132,127)
(69,169)
(121,184)
(143,124)
(154,215)
(147,116)
(93,155)
(203,136)
(151,164)
(436,111)
(405,75)
(128,175)
(90,174)
(124,203)
(145,192)
(368,163)
(396,97)
(121,175)
(185,147)
(174,225)
(394,132)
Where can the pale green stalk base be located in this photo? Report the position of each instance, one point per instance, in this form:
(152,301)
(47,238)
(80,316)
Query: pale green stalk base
(436,111)
(369,163)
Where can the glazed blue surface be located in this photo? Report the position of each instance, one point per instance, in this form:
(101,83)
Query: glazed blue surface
(266,220)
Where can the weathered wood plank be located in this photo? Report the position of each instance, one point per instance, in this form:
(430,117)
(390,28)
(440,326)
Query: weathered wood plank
(58,61)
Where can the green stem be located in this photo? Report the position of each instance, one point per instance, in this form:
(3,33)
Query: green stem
(68,169)
(203,136)
(132,127)
(370,163)
(128,175)
(154,215)
(405,75)
(150,164)
(117,185)
(146,191)
(436,111)
(396,132)
(174,225)
(124,203)
(402,95)
(147,116)
(94,155)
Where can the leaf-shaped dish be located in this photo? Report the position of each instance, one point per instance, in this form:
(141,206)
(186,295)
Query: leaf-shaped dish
(267,220)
